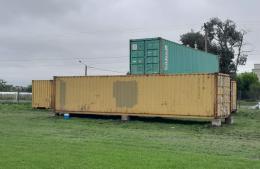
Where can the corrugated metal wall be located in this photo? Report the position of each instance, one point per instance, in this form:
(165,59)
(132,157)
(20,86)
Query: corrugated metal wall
(42,93)
(171,95)
(181,59)
(160,56)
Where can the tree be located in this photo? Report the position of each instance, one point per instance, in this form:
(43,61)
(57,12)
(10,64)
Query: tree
(224,39)
(244,81)
(4,87)
(229,41)
(191,38)
(2,84)
(28,88)
(254,91)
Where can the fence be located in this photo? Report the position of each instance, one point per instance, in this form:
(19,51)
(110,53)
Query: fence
(15,97)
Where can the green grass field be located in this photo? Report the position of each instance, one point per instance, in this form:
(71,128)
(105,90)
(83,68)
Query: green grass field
(38,139)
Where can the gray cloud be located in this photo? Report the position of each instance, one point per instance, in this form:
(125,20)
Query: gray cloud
(40,39)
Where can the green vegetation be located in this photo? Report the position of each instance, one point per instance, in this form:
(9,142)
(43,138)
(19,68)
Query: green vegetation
(247,103)
(224,39)
(248,86)
(4,87)
(37,139)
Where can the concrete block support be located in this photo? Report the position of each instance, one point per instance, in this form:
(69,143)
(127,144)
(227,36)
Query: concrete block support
(125,118)
(229,119)
(216,122)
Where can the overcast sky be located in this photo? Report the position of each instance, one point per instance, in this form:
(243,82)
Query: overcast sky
(44,38)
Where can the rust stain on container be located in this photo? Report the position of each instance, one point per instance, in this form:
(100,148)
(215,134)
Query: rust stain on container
(42,93)
(63,93)
(233,96)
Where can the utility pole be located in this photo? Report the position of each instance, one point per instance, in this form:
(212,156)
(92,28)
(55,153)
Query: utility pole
(18,94)
(86,67)
(86,70)
(206,37)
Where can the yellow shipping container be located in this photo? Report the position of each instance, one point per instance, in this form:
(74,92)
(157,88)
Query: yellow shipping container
(42,93)
(233,96)
(186,95)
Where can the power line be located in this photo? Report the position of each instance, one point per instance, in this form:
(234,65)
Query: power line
(105,69)
(93,67)
(135,30)
(65,58)
(98,57)
(142,29)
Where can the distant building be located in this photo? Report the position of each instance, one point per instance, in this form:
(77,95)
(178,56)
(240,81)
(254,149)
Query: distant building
(256,70)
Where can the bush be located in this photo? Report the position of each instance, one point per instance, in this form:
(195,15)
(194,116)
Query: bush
(254,91)
(244,82)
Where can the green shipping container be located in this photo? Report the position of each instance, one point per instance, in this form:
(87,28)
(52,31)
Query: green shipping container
(160,56)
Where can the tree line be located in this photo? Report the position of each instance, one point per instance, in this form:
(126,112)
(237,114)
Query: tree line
(248,86)
(4,87)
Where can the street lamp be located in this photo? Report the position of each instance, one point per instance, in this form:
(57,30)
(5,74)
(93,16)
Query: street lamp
(86,67)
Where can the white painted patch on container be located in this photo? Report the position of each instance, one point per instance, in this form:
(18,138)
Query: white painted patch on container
(134,46)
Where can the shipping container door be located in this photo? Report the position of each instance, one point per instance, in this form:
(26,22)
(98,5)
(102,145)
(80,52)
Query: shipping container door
(137,57)
(42,93)
(152,55)
(223,96)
